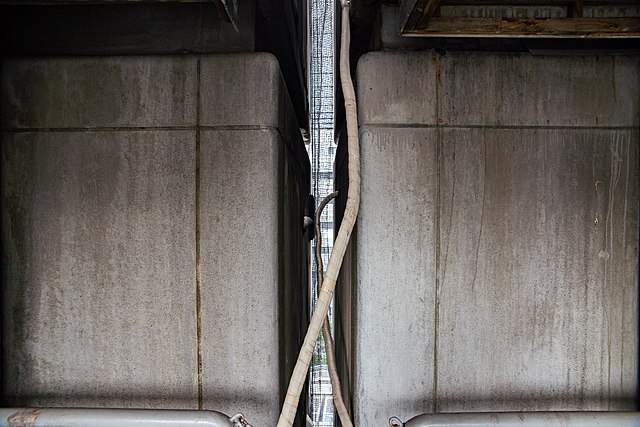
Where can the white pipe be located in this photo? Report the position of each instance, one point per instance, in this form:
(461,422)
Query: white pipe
(80,417)
(299,375)
(527,419)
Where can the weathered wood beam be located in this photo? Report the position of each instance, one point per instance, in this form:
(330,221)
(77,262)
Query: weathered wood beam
(595,28)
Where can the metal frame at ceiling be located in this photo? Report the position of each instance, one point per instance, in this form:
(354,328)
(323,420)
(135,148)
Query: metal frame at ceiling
(594,19)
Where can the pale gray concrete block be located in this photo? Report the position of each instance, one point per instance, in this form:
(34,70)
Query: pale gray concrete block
(536,238)
(99,92)
(241,90)
(394,312)
(538,307)
(99,249)
(521,89)
(253,266)
(239,272)
(493,89)
(395,88)
(247,90)
(138,188)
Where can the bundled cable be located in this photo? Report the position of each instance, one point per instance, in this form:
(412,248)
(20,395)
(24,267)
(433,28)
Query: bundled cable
(299,375)
(336,389)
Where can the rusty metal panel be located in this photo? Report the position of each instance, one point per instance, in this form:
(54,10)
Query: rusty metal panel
(503,11)
(576,28)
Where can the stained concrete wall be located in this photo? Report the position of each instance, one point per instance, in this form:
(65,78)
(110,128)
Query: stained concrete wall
(152,242)
(495,261)
(161,28)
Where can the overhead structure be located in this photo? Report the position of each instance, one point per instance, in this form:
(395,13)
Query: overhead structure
(228,9)
(594,19)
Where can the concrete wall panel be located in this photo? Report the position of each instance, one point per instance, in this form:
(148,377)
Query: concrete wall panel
(253,299)
(98,93)
(100,256)
(531,293)
(525,187)
(254,86)
(396,281)
(525,90)
(260,97)
(397,88)
(157,256)
(239,272)
(344,298)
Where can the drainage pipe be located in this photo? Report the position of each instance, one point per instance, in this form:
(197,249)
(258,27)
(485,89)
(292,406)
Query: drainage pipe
(80,417)
(527,419)
(290,406)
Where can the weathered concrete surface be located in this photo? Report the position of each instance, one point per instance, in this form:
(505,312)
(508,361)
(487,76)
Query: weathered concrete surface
(260,96)
(92,92)
(397,280)
(517,211)
(539,91)
(253,296)
(156,255)
(408,98)
(516,90)
(538,286)
(254,173)
(239,200)
(98,232)
(161,28)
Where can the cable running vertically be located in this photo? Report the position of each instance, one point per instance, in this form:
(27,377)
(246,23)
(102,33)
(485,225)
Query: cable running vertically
(336,389)
(298,377)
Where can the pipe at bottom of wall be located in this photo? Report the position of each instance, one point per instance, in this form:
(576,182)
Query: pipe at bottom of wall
(77,417)
(527,419)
